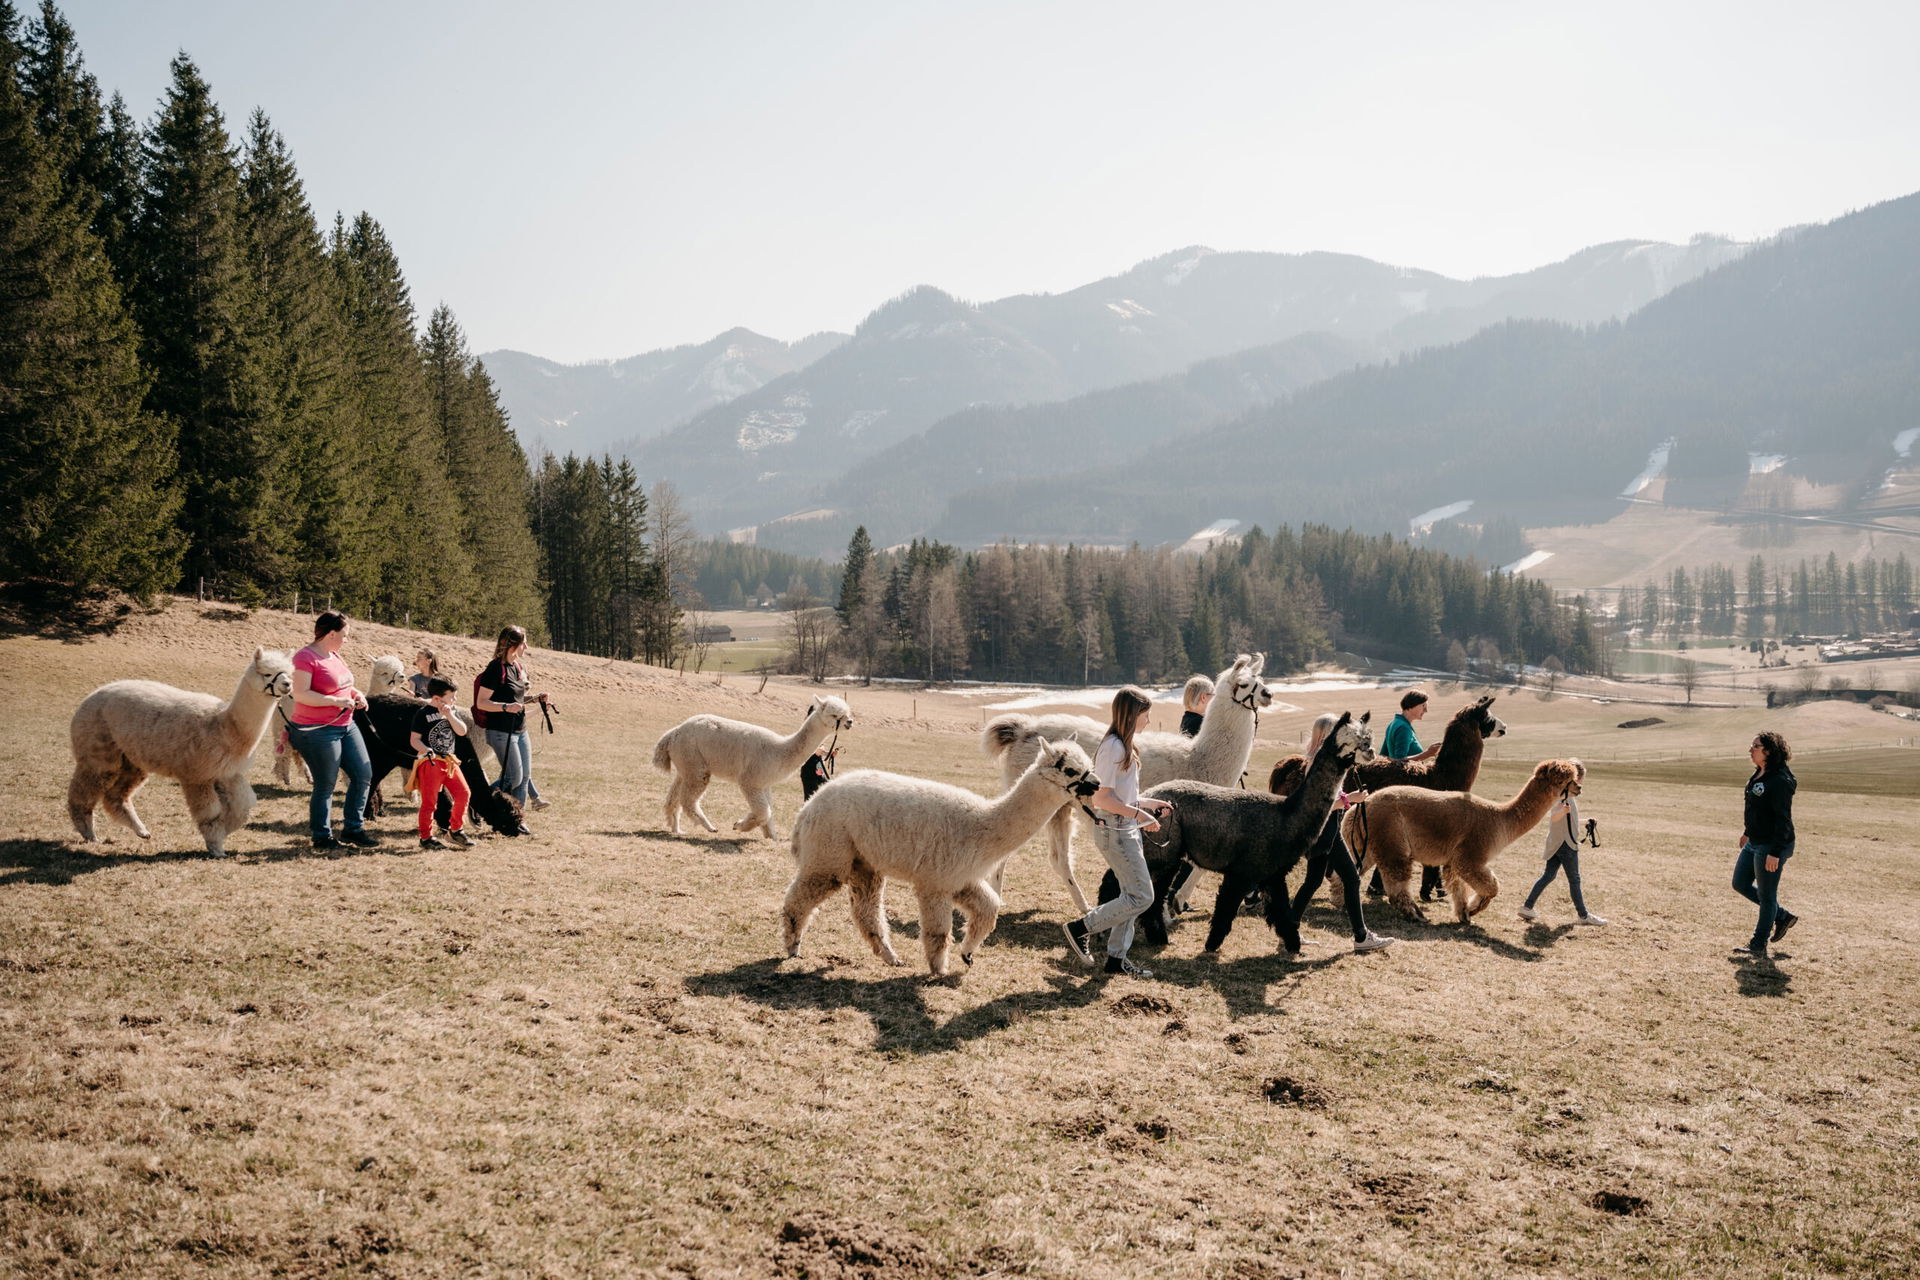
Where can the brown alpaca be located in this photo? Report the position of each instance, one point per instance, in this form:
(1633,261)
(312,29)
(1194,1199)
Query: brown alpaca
(1455,768)
(1452,830)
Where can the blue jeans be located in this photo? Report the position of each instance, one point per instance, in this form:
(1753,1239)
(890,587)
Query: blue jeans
(1752,880)
(516,763)
(327,749)
(1566,858)
(1124,853)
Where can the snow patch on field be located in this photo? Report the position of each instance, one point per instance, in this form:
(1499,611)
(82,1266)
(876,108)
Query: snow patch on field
(1760,464)
(1527,562)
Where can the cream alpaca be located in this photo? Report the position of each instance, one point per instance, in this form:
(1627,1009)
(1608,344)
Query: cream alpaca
(943,840)
(702,748)
(1217,754)
(131,728)
(389,674)
(1454,830)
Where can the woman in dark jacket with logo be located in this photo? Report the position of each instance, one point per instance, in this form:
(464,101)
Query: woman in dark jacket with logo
(1766,839)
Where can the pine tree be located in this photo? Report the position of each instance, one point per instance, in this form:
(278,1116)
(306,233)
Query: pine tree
(853,575)
(85,486)
(198,315)
(425,574)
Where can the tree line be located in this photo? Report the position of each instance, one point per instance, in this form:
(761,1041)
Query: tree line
(1079,614)
(1808,597)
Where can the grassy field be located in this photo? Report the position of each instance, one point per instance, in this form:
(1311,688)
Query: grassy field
(581,1054)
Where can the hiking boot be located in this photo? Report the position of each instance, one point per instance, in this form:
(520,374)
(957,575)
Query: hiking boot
(1076,932)
(430,843)
(1590,918)
(325,843)
(1758,950)
(1372,942)
(1783,922)
(1528,913)
(459,840)
(538,803)
(1122,965)
(362,838)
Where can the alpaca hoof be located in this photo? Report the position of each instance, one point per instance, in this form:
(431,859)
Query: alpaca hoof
(966,958)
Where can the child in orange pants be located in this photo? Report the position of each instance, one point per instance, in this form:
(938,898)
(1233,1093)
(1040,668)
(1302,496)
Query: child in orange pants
(434,729)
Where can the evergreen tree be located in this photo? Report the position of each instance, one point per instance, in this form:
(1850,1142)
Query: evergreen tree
(425,573)
(198,315)
(86,485)
(853,576)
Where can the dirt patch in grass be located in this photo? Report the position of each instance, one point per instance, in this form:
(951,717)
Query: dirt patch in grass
(820,1246)
(1285,1091)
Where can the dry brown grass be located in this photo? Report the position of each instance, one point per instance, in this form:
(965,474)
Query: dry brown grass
(578,1055)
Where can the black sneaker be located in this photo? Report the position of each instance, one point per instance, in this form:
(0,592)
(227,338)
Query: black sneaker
(1120,964)
(1077,941)
(458,839)
(1783,922)
(431,843)
(325,843)
(1757,950)
(363,838)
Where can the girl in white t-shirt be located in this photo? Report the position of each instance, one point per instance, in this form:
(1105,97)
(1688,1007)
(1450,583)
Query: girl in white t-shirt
(1563,853)
(1123,815)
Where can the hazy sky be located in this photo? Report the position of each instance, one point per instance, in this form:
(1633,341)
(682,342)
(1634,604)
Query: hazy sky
(594,179)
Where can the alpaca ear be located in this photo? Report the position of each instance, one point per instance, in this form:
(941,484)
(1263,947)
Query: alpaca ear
(1259,663)
(259,654)
(1346,718)
(1365,716)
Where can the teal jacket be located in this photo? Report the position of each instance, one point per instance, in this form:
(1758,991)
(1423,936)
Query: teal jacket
(1400,741)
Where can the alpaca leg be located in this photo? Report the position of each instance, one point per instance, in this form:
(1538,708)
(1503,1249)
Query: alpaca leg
(1396,874)
(936,928)
(981,906)
(236,796)
(674,788)
(695,787)
(209,814)
(83,793)
(804,896)
(117,798)
(759,813)
(868,889)
(1060,854)
(1226,905)
(1485,888)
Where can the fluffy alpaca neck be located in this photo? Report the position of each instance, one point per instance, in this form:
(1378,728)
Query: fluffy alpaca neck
(1314,795)
(798,745)
(1225,740)
(244,717)
(1519,815)
(1018,812)
(1458,765)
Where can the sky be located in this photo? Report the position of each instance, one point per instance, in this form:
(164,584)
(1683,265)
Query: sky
(590,179)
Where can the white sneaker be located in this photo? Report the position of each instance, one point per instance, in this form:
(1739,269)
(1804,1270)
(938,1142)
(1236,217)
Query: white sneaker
(1528,913)
(1372,942)
(1591,919)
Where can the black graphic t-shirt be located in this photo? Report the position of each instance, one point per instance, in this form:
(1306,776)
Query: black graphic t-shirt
(431,724)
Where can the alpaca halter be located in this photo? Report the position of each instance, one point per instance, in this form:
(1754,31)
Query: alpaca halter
(1251,704)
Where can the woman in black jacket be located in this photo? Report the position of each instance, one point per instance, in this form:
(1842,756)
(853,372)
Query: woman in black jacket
(1766,840)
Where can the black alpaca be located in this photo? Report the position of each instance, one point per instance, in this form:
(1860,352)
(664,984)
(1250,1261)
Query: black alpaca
(1251,838)
(387,727)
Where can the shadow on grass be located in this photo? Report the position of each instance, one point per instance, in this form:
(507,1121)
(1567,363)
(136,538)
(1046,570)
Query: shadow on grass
(60,862)
(713,844)
(895,1006)
(1759,976)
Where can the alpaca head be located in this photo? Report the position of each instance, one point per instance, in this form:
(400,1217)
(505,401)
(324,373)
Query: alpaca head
(1481,717)
(1242,684)
(1066,765)
(274,671)
(388,673)
(834,711)
(1351,739)
(1559,774)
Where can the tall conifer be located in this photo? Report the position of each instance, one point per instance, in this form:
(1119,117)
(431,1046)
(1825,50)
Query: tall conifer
(85,485)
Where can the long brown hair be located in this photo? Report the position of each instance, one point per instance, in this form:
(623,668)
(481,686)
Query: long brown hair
(510,638)
(1775,746)
(1128,703)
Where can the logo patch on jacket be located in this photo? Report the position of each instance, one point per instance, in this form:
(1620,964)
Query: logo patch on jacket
(1759,788)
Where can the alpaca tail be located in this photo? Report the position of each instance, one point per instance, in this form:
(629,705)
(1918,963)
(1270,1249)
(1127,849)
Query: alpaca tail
(663,753)
(1002,732)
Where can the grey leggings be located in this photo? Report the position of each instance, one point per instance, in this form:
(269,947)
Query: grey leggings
(1565,858)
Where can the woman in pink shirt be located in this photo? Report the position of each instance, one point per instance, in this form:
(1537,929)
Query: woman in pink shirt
(324,733)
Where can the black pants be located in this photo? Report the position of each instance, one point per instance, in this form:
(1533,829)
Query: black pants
(1429,883)
(1330,851)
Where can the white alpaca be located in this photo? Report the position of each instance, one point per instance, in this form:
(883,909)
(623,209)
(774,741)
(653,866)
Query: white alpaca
(128,729)
(945,841)
(1217,754)
(287,759)
(703,748)
(389,675)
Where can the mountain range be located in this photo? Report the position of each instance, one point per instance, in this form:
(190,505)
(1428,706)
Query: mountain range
(754,431)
